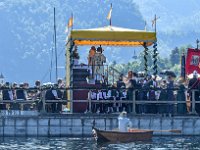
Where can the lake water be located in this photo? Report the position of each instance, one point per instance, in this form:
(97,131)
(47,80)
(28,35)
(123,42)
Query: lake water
(157,143)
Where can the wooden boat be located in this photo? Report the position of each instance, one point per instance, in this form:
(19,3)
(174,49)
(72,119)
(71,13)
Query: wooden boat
(117,136)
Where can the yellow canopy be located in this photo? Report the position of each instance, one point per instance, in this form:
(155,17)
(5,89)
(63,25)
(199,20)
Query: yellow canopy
(112,36)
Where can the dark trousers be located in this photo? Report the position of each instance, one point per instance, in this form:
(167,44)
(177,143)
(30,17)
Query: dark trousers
(142,108)
(170,109)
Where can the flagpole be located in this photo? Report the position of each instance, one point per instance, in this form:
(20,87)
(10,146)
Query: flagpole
(145,25)
(155,23)
(111,15)
(72,21)
(197,44)
(55,43)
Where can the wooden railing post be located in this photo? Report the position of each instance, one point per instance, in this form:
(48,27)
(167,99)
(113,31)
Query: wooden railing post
(71,100)
(42,97)
(193,102)
(134,103)
(89,101)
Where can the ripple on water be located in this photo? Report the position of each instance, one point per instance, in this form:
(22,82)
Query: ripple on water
(157,143)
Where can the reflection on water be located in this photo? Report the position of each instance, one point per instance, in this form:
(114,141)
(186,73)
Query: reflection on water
(158,143)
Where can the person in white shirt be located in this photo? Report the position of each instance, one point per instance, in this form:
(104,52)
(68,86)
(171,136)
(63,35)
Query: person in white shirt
(123,122)
(100,93)
(101,106)
(98,60)
(93,96)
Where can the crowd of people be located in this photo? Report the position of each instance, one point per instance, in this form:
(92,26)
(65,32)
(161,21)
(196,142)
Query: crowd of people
(148,88)
(117,97)
(120,95)
(22,92)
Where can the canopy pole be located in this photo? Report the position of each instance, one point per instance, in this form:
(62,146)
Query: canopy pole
(155,54)
(145,58)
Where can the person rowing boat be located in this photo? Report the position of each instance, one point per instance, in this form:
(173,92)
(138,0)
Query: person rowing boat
(124,123)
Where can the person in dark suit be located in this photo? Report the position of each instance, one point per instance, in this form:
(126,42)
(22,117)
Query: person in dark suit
(162,109)
(7,95)
(37,95)
(141,96)
(7,92)
(54,94)
(170,94)
(192,85)
(181,107)
(152,84)
(192,81)
(120,82)
(21,93)
(120,89)
(131,84)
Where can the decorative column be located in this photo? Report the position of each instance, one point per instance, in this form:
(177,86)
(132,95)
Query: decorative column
(145,59)
(69,73)
(155,54)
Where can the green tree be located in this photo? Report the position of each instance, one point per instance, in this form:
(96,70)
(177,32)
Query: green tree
(182,50)
(175,56)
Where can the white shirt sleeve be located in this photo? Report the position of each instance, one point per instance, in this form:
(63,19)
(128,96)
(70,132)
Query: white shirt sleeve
(10,95)
(105,95)
(55,93)
(109,93)
(129,123)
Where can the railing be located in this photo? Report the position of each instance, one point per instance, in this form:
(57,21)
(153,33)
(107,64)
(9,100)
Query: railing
(133,103)
(94,69)
(107,73)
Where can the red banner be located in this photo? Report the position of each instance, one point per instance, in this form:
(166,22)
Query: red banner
(193,61)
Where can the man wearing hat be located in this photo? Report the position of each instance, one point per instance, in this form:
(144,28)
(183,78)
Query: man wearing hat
(181,107)
(91,54)
(131,84)
(170,94)
(194,84)
(90,60)
(99,59)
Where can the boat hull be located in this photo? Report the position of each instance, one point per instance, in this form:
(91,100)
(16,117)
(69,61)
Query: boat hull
(117,136)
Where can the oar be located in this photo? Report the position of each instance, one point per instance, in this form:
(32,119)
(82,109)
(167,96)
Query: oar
(173,131)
